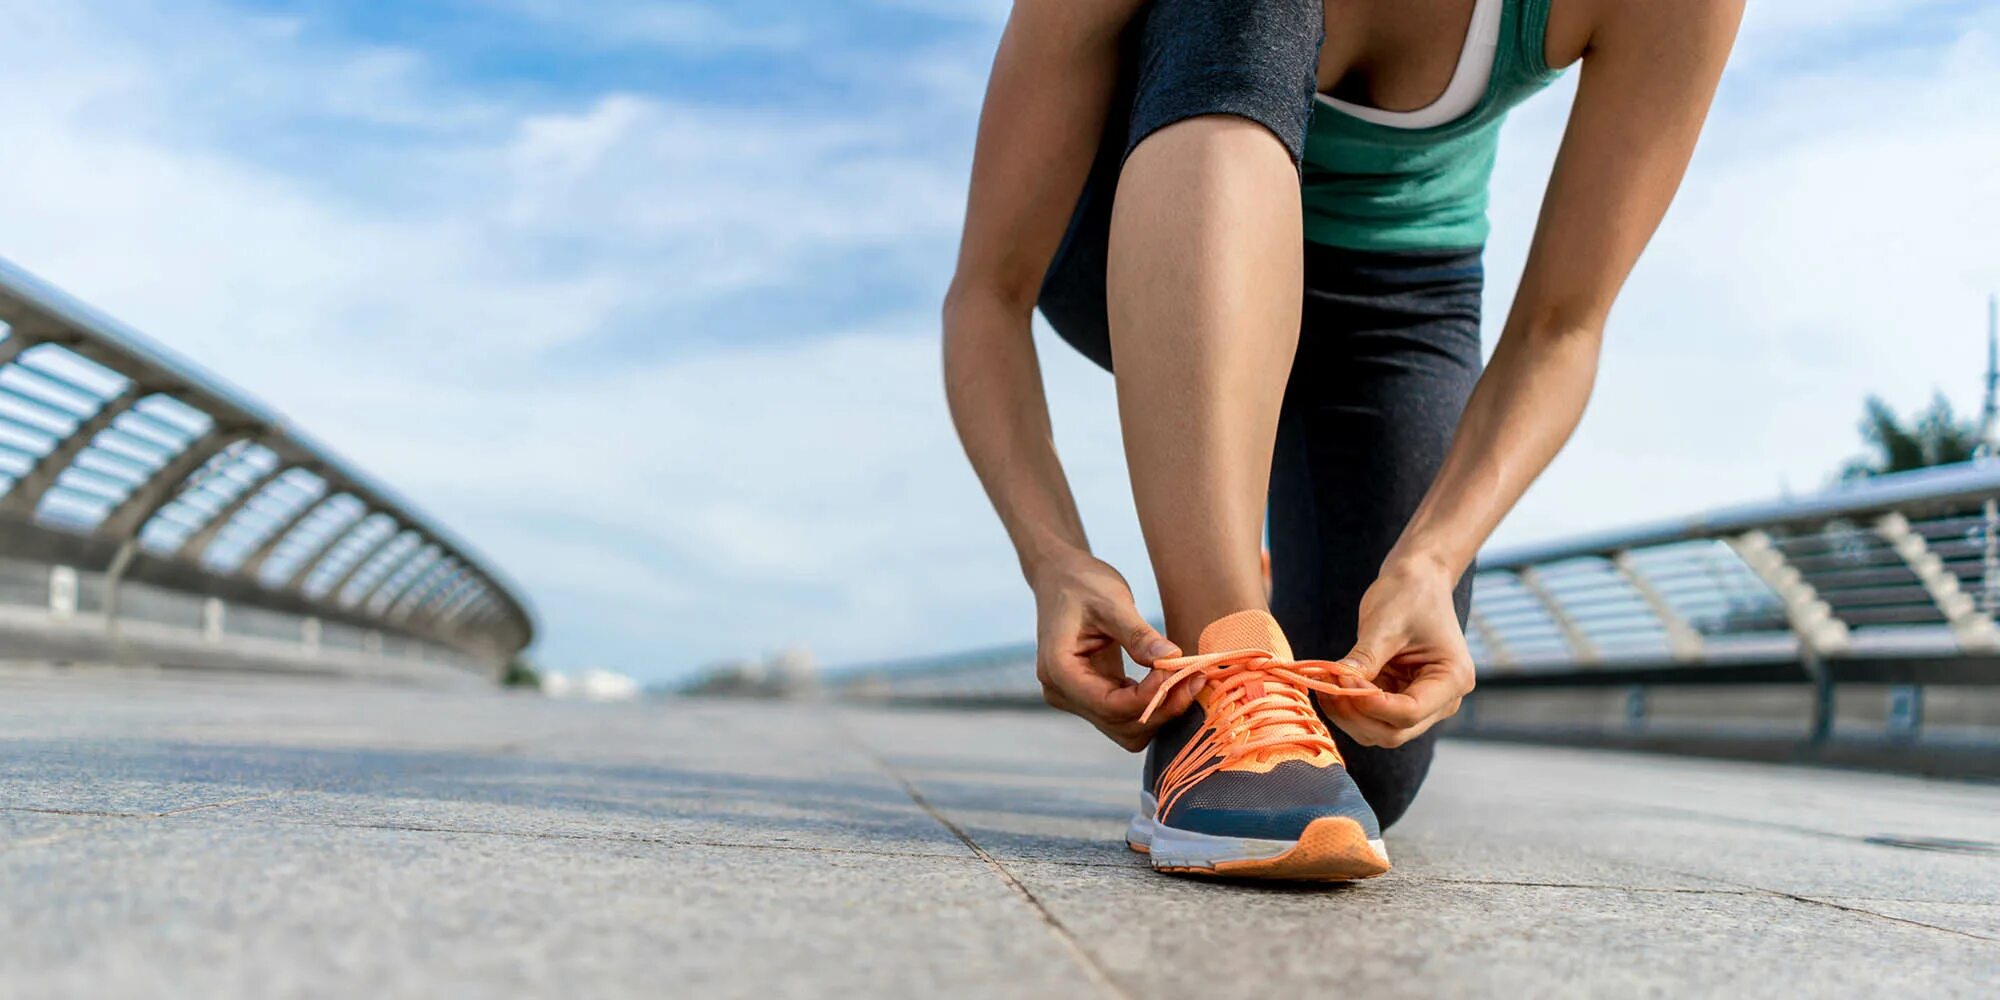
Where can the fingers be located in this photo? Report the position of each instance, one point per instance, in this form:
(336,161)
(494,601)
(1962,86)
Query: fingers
(1125,703)
(1393,718)
(1087,622)
(1142,694)
(1127,733)
(1142,642)
(1371,733)
(1363,659)
(1088,692)
(1114,706)
(1425,696)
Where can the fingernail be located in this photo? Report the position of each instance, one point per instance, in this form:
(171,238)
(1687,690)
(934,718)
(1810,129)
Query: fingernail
(1159,648)
(1195,686)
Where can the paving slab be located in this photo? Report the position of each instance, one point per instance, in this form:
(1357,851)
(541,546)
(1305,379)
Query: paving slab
(1161,937)
(1976,919)
(161,835)
(203,909)
(20,827)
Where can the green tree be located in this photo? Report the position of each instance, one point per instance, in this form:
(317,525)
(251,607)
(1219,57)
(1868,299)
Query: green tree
(521,673)
(1935,437)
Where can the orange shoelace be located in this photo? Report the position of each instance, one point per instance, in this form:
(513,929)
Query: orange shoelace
(1260,706)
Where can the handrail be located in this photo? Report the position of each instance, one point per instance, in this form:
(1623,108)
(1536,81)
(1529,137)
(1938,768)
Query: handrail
(491,622)
(1925,490)
(1894,580)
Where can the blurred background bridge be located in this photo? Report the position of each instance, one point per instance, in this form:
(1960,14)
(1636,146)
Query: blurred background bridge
(153,514)
(1855,625)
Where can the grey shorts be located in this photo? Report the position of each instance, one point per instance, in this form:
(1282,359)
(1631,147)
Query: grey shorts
(1255,59)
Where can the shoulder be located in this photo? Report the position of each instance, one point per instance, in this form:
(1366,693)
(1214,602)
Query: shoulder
(1084,17)
(1579,28)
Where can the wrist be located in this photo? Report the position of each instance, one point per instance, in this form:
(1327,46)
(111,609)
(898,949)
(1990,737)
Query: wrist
(1039,556)
(1422,565)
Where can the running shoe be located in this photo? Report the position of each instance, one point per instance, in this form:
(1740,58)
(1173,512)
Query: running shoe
(1248,783)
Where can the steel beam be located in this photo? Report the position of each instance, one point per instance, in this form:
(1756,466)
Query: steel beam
(448,616)
(26,494)
(439,575)
(1581,649)
(313,555)
(1683,641)
(424,615)
(1819,630)
(127,518)
(361,560)
(423,546)
(195,546)
(1970,626)
(255,563)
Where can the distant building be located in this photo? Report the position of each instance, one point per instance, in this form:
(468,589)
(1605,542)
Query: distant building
(590,685)
(789,673)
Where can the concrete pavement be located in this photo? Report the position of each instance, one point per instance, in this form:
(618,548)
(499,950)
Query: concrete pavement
(186,836)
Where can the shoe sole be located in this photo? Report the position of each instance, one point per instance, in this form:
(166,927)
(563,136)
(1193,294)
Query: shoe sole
(1330,849)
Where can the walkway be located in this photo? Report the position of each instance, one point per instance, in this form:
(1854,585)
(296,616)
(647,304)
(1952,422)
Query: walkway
(259,837)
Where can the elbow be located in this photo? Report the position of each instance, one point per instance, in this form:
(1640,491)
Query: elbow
(1552,339)
(1558,323)
(976,296)
(979,317)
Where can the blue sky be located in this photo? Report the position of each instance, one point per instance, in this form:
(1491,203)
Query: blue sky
(641,297)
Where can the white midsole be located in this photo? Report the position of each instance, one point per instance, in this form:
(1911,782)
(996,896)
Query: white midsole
(1173,848)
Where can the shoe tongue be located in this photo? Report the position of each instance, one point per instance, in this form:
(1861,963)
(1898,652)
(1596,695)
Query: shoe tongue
(1244,630)
(1253,630)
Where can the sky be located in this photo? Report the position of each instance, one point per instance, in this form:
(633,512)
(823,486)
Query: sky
(641,297)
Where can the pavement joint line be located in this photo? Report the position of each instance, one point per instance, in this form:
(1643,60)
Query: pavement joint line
(102,815)
(1856,910)
(1597,886)
(626,839)
(245,800)
(150,814)
(1755,824)
(1908,899)
(1863,911)
(1082,955)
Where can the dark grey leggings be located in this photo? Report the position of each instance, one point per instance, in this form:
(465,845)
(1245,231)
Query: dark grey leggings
(1388,352)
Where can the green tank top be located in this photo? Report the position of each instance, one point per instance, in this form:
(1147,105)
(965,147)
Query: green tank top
(1376,187)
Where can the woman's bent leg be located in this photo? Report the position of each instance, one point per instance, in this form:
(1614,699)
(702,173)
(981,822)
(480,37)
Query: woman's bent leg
(1387,356)
(1181,260)
(1203,287)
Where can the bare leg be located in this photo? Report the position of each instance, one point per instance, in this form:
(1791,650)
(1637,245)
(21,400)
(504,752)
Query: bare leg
(1204,287)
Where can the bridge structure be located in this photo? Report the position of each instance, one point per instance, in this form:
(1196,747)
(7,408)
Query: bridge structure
(151,512)
(1858,621)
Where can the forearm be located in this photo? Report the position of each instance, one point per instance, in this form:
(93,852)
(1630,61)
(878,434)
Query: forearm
(1044,111)
(993,384)
(1648,76)
(1520,415)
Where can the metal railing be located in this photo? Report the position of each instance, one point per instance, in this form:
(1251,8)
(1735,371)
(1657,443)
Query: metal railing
(138,491)
(1883,578)
(1892,581)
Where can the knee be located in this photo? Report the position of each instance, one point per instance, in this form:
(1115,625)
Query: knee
(1389,778)
(1393,805)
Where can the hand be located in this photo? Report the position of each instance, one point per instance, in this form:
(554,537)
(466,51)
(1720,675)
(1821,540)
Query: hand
(1411,646)
(1084,615)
